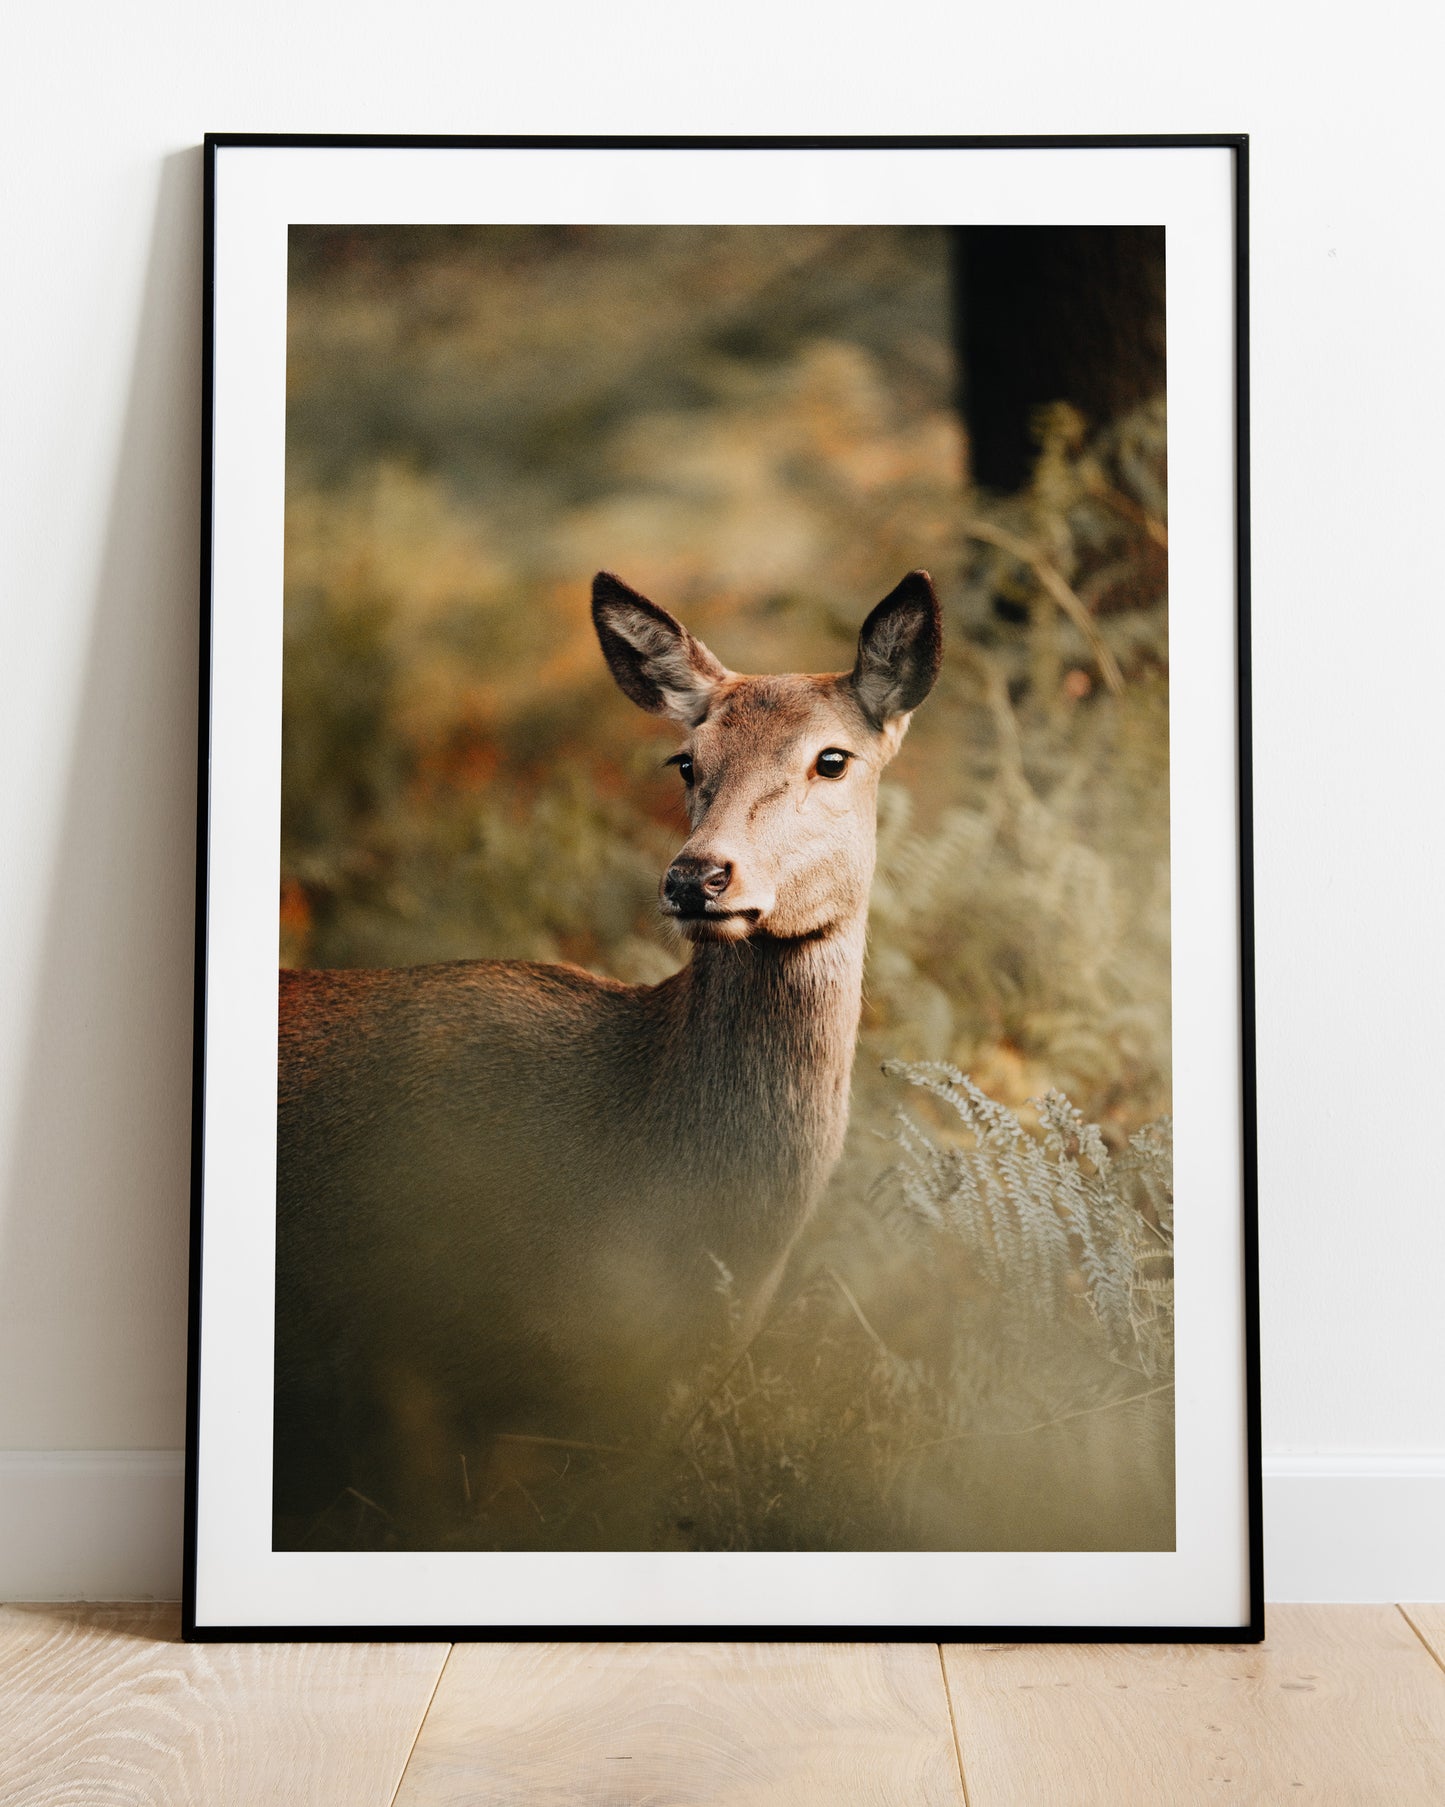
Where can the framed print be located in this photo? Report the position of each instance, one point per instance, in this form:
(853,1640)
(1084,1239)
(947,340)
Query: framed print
(724,927)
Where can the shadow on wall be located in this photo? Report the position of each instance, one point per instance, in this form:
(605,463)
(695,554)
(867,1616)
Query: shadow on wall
(94,1211)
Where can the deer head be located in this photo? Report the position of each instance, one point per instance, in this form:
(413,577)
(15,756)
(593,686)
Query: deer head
(780,774)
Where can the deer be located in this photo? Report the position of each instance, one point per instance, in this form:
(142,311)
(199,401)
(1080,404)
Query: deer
(511,1195)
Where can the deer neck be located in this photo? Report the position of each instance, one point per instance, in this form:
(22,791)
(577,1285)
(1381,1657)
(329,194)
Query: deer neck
(759,1059)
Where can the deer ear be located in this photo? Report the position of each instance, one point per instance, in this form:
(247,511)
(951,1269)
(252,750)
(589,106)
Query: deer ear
(654,659)
(899,651)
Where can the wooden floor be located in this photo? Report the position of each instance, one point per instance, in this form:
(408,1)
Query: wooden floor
(103,1707)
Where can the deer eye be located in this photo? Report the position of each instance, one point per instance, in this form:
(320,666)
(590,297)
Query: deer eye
(833,762)
(683,762)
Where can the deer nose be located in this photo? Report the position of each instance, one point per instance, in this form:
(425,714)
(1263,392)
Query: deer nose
(692,884)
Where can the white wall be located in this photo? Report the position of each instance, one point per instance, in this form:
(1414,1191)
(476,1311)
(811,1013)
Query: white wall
(102,112)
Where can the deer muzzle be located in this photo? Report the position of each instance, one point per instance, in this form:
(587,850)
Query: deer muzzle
(704,897)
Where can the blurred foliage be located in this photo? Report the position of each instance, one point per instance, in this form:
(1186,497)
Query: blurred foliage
(756,427)
(1005,1324)
(976,1352)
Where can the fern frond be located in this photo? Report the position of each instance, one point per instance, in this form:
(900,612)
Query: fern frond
(1042,1214)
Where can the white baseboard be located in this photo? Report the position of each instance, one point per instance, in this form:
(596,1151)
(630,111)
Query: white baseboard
(106,1525)
(90,1524)
(1366,1526)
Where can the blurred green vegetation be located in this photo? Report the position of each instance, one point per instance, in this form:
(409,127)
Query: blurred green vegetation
(756,427)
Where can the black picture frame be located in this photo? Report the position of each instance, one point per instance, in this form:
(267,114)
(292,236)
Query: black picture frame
(198,1625)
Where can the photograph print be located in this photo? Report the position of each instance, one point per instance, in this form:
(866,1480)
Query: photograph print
(716,1109)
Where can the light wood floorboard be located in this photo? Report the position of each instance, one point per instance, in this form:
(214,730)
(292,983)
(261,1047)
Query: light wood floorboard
(679,1725)
(104,1707)
(1429,1622)
(1341,1705)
